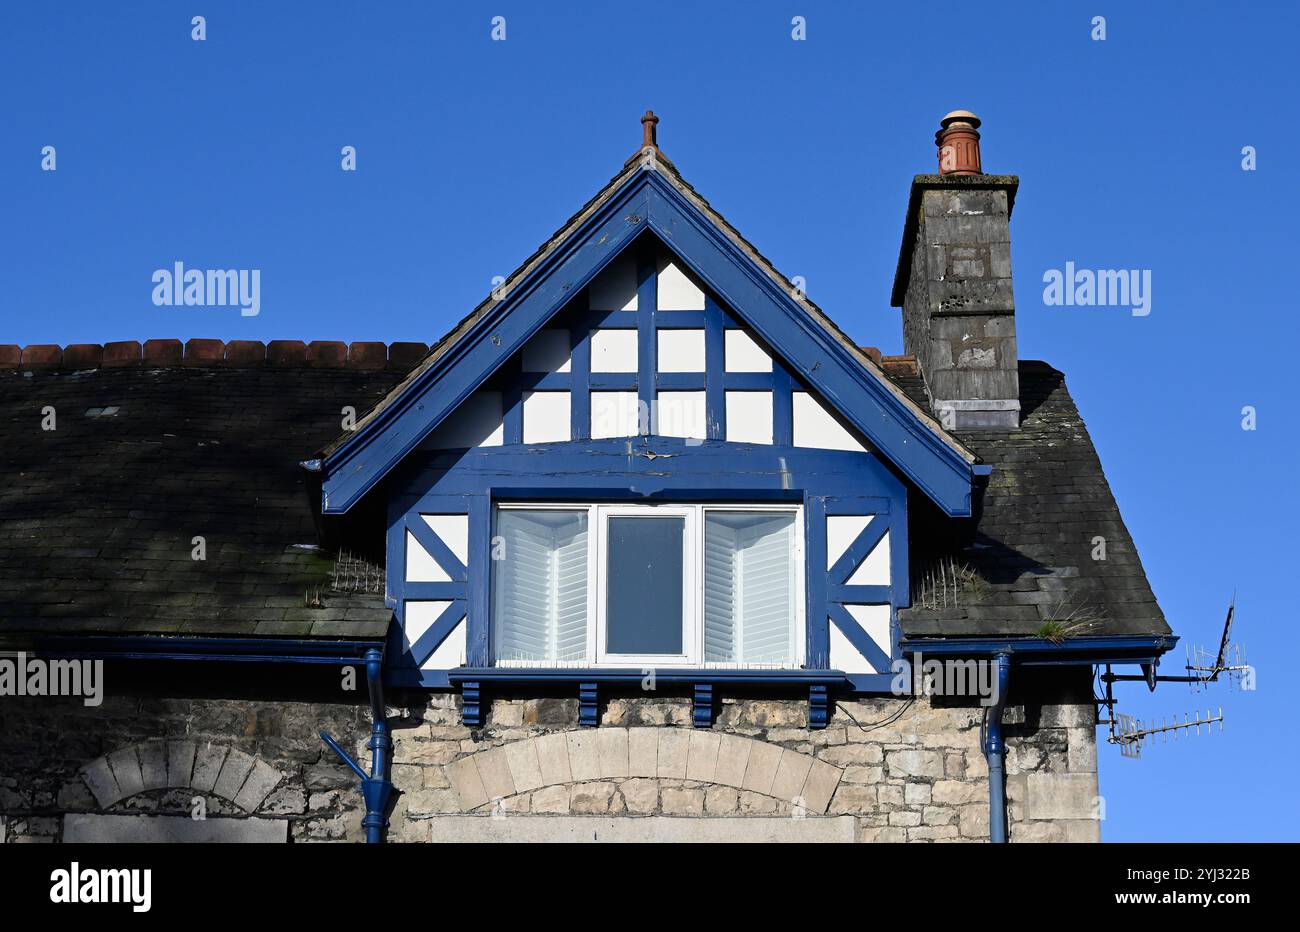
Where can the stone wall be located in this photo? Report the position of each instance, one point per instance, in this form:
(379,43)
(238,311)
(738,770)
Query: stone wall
(920,777)
(901,771)
(143,754)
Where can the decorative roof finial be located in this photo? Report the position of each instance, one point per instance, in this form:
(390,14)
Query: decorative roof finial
(649,135)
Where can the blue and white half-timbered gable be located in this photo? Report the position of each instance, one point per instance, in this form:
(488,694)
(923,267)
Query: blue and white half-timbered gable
(647,456)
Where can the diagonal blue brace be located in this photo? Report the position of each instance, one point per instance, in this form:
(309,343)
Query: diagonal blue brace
(375,786)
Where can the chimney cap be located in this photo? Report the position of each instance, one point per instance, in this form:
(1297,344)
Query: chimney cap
(960,116)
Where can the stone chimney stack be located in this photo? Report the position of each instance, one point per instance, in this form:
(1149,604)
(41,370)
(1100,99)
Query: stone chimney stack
(954,284)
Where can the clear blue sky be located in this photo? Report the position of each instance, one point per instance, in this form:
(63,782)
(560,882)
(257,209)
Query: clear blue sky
(225,154)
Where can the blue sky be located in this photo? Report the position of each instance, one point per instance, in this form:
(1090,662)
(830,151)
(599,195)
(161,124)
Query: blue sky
(225,154)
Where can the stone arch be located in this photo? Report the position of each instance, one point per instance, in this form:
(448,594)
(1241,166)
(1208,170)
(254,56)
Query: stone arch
(203,766)
(678,754)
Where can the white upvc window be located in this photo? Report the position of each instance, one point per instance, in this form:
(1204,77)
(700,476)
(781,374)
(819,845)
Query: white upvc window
(648,586)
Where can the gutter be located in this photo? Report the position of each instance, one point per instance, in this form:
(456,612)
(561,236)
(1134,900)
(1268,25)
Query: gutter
(1031,651)
(247,650)
(1036,651)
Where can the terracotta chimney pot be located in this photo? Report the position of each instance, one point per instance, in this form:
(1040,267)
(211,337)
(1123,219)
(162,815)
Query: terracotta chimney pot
(959,144)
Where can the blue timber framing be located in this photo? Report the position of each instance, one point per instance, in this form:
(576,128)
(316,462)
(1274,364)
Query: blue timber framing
(645,201)
(459,591)
(647,218)
(826,602)
(469,482)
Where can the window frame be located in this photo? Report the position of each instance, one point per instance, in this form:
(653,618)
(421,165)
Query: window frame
(694,514)
(597,632)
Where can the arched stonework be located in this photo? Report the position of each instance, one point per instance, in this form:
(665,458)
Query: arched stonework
(203,766)
(667,753)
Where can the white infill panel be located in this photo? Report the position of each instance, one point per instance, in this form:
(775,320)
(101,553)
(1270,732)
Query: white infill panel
(613,351)
(546,417)
(420,564)
(841,532)
(450,653)
(815,426)
(614,289)
(874,620)
(681,414)
(548,351)
(677,290)
(615,414)
(452,530)
(743,354)
(844,656)
(749,417)
(420,616)
(476,423)
(874,570)
(681,350)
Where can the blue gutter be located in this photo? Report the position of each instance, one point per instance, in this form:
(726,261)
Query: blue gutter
(248,650)
(376,788)
(1031,651)
(1036,651)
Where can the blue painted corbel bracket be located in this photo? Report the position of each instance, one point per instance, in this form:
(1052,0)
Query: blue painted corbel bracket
(703,705)
(818,706)
(471,706)
(589,704)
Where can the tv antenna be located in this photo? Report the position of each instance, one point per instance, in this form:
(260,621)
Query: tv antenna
(1202,671)
(1203,668)
(1133,732)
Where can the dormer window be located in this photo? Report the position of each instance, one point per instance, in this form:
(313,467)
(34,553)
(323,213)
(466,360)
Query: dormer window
(638,586)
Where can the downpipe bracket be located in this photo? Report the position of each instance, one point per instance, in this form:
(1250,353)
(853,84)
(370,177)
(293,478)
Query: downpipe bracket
(376,788)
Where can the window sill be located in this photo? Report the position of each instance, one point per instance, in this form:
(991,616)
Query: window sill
(636,674)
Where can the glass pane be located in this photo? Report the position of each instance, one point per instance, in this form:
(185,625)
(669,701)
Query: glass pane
(539,582)
(749,588)
(644,607)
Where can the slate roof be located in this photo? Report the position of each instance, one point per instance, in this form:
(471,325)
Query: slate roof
(1030,558)
(97,516)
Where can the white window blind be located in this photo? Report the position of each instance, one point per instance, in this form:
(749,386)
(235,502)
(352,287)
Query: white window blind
(541,587)
(749,588)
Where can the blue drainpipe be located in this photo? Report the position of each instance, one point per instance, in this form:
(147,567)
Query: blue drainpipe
(995,748)
(375,786)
